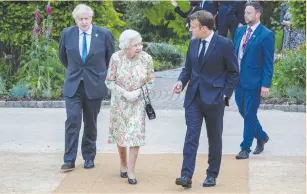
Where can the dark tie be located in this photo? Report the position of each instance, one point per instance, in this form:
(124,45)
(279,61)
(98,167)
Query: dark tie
(247,37)
(201,56)
(84,48)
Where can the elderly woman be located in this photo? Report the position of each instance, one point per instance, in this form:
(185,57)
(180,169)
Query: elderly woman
(130,71)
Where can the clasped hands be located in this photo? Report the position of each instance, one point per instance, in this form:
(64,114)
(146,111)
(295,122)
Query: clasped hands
(132,96)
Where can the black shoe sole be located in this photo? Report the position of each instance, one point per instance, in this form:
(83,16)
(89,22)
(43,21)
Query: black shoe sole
(257,152)
(132,181)
(183,184)
(206,185)
(88,167)
(240,158)
(67,169)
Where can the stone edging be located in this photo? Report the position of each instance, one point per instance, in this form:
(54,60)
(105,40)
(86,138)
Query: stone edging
(61,104)
(284,107)
(38,104)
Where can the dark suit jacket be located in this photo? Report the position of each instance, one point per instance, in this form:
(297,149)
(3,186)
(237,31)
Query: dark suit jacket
(216,77)
(239,11)
(94,70)
(210,6)
(258,59)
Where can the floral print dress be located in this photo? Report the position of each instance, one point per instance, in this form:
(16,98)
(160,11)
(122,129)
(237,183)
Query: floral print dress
(127,119)
(292,37)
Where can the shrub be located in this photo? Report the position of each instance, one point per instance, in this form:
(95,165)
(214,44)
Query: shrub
(3,91)
(19,91)
(290,73)
(165,53)
(298,12)
(40,66)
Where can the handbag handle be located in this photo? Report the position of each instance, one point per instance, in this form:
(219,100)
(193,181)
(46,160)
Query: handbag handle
(147,96)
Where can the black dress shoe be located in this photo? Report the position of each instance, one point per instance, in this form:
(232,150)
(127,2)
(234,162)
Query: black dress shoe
(89,164)
(260,145)
(124,174)
(184,182)
(132,181)
(209,181)
(243,154)
(68,166)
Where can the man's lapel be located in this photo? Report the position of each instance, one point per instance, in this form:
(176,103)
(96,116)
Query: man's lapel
(76,42)
(240,36)
(254,36)
(210,48)
(94,35)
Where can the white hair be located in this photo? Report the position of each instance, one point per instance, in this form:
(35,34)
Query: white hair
(128,35)
(80,9)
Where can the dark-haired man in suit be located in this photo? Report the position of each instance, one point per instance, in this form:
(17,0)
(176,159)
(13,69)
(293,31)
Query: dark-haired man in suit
(254,46)
(211,72)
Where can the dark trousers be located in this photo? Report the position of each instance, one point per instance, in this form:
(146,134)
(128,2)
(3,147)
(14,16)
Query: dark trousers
(225,23)
(75,106)
(248,102)
(213,115)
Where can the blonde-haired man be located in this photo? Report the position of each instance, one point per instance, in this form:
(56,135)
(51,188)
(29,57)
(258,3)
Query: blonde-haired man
(85,50)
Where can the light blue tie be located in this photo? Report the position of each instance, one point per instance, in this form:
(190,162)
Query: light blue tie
(84,48)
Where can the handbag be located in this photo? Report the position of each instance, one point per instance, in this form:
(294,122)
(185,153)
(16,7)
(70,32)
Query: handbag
(148,107)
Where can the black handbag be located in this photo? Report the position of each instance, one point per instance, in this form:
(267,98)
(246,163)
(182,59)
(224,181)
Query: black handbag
(148,107)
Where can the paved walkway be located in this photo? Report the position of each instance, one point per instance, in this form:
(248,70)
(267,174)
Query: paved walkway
(162,96)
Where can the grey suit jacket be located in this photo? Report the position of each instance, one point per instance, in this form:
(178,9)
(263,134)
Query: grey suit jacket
(94,70)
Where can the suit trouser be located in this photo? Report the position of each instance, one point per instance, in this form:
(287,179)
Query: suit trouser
(248,101)
(75,106)
(225,22)
(213,115)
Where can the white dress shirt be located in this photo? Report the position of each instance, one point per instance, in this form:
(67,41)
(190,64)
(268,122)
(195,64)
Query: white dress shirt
(88,39)
(208,40)
(241,43)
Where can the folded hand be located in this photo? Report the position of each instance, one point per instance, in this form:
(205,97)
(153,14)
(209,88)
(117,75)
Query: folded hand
(132,96)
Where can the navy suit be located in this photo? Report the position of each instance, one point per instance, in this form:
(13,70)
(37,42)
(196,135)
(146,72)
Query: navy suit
(208,83)
(210,6)
(226,18)
(239,12)
(256,71)
(84,88)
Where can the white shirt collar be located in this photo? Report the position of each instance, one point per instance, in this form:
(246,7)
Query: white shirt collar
(208,39)
(89,31)
(254,26)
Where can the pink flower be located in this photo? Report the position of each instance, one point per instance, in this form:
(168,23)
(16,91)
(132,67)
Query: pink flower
(36,29)
(37,15)
(49,10)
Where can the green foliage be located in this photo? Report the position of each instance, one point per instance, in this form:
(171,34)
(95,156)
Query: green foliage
(290,72)
(278,40)
(40,66)
(162,12)
(297,93)
(3,91)
(17,24)
(183,48)
(298,14)
(19,91)
(135,14)
(165,53)
(271,14)
(41,69)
